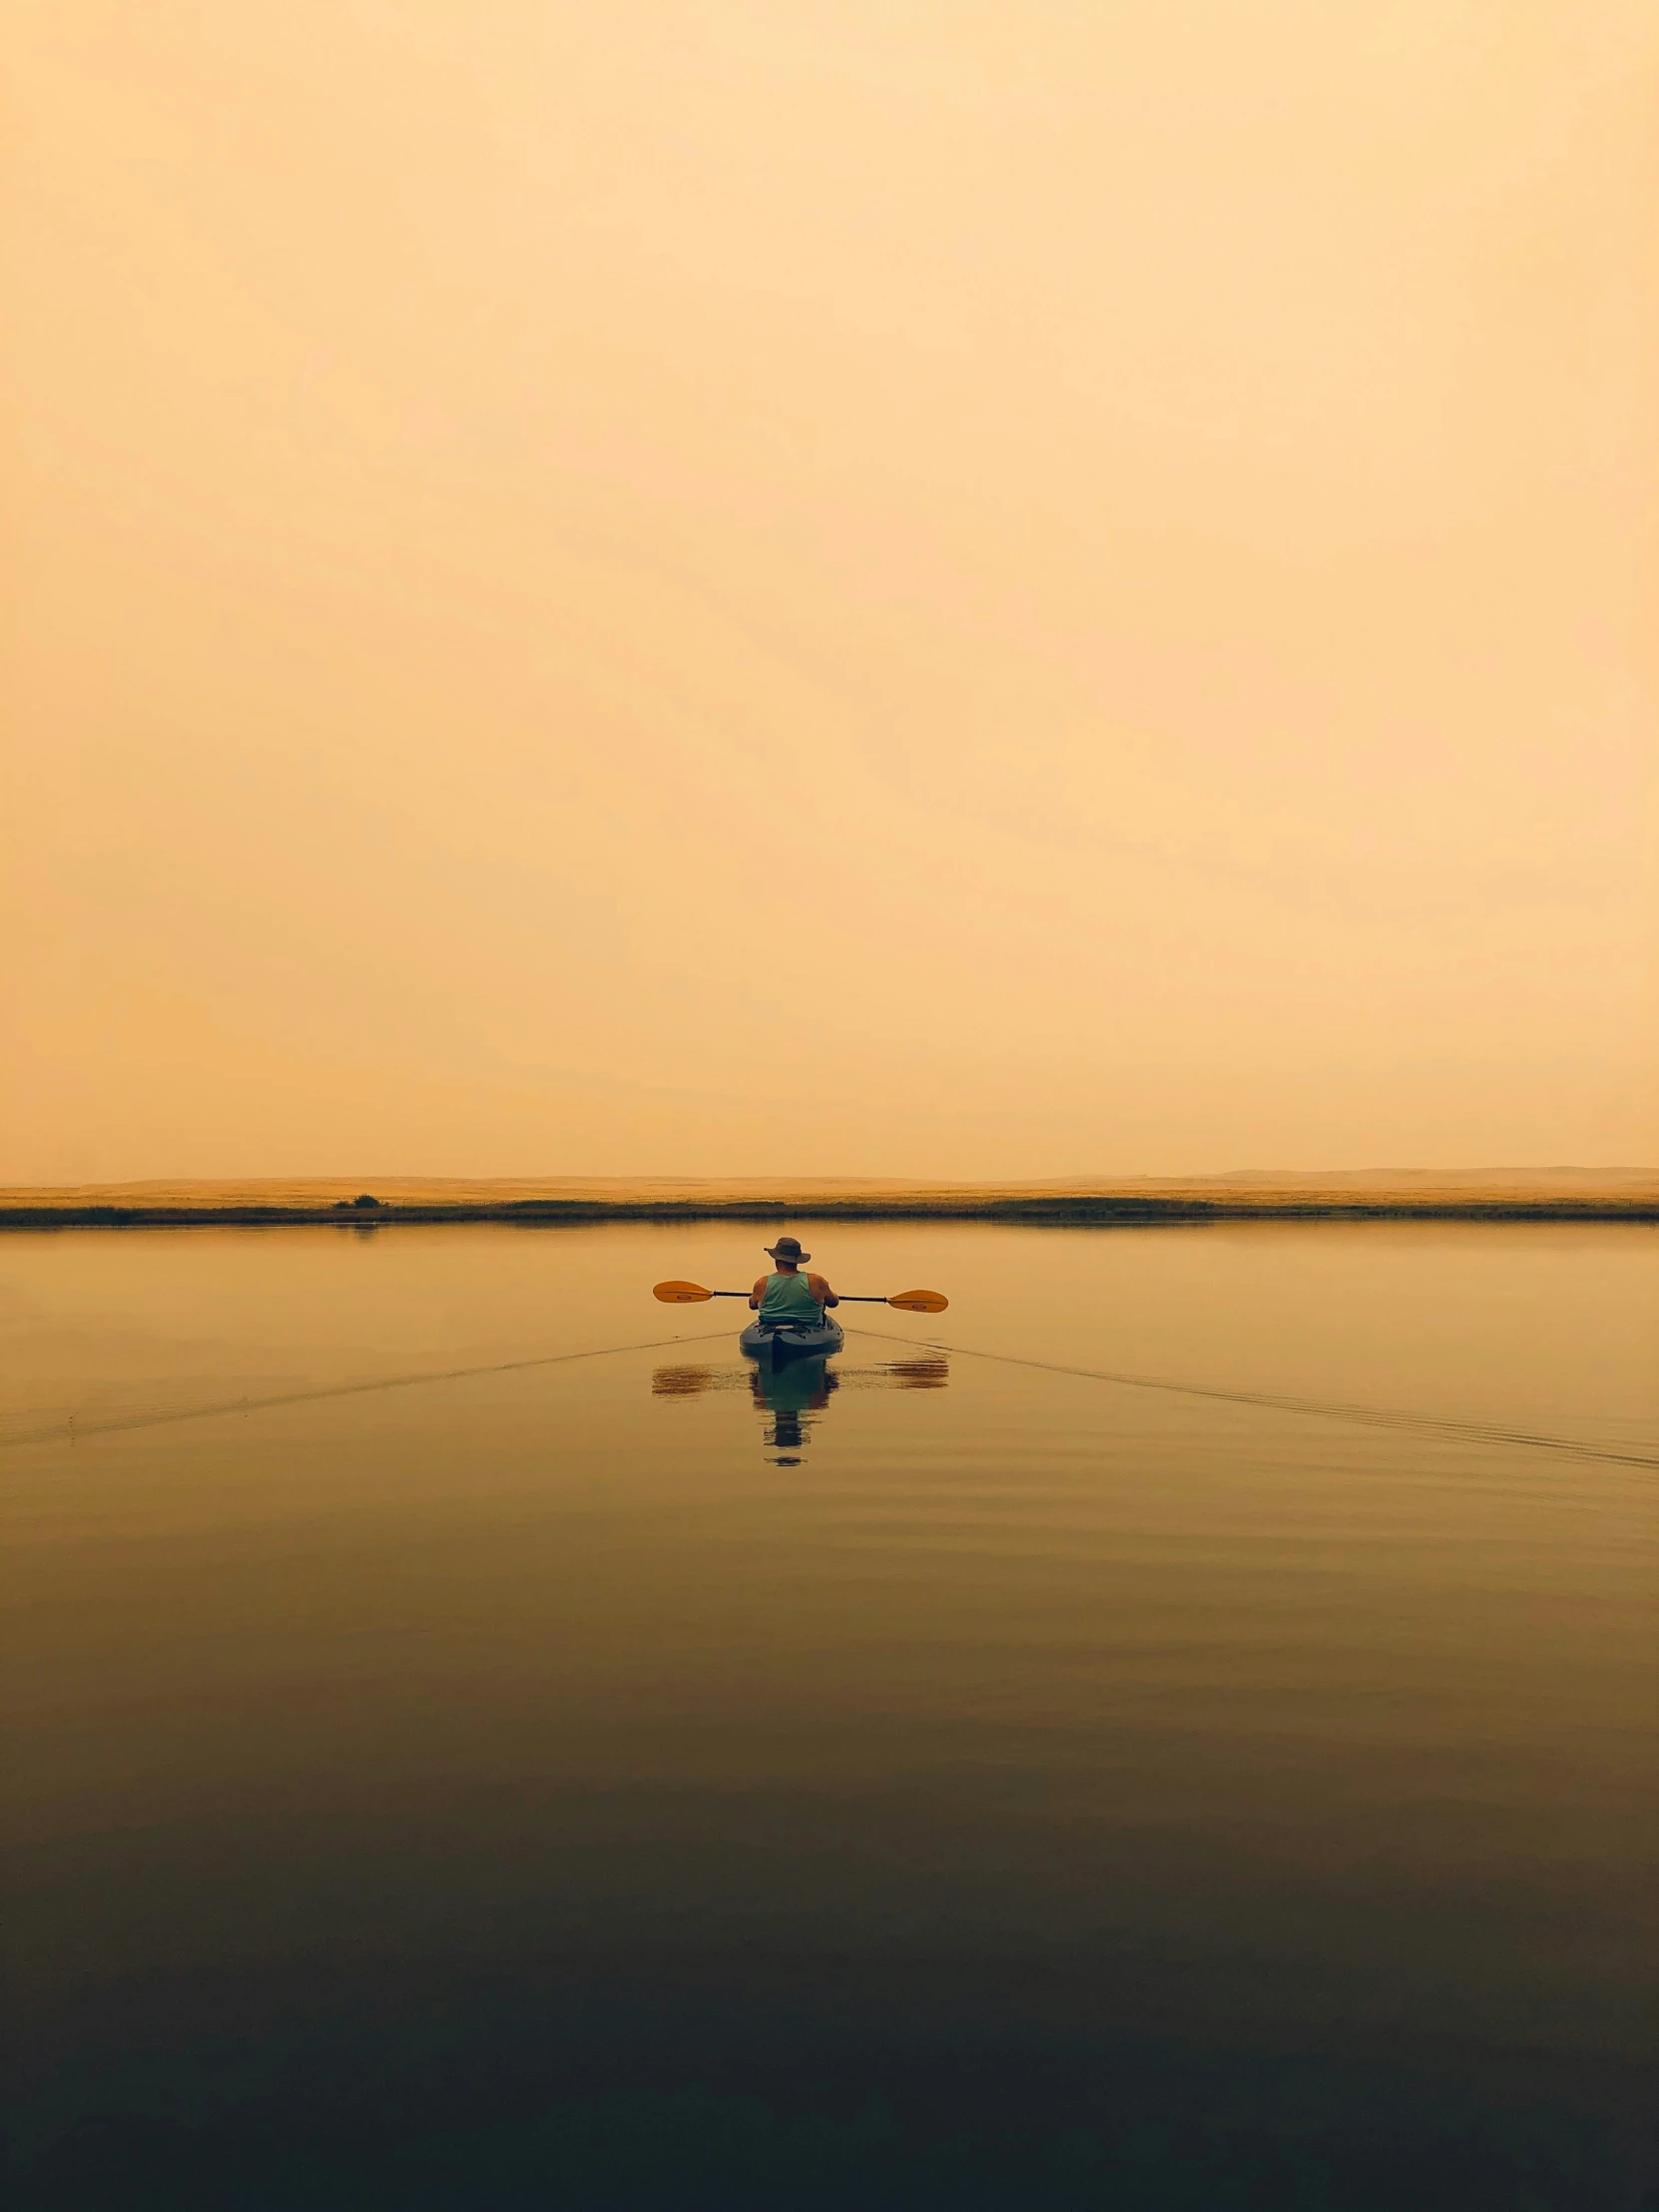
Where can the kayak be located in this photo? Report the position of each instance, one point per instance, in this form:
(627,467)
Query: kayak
(790,1339)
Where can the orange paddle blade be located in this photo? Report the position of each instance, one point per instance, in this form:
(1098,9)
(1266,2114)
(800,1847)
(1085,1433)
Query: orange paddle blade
(920,1302)
(681,1293)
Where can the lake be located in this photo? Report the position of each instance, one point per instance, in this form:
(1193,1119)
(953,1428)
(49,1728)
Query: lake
(604,1777)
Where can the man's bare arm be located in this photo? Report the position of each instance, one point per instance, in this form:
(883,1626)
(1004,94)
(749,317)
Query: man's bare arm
(822,1291)
(759,1291)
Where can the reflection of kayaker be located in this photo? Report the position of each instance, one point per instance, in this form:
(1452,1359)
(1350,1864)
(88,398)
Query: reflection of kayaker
(789,1393)
(790,1385)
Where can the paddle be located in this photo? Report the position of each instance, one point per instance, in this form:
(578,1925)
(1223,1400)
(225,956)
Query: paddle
(909,1301)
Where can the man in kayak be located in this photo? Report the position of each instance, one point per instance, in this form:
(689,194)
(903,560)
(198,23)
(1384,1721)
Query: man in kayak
(788,1295)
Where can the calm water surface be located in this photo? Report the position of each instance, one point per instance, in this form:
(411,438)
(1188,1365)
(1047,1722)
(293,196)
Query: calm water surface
(602,1781)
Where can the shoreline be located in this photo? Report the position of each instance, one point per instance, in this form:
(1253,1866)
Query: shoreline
(1051,1210)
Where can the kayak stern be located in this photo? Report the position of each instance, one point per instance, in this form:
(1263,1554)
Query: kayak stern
(774,1345)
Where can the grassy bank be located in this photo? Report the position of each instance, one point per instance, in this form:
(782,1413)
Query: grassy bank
(1091,1210)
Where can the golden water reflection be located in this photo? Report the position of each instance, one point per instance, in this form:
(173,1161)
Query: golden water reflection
(1142,1797)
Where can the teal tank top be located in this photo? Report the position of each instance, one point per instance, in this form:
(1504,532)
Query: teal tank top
(786,1297)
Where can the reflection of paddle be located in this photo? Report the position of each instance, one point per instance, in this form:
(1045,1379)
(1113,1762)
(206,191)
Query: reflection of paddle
(909,1301)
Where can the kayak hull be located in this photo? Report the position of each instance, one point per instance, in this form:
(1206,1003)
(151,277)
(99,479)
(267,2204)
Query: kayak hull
(791,1342)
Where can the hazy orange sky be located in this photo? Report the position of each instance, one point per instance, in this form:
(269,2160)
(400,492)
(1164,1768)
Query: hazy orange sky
(981,590)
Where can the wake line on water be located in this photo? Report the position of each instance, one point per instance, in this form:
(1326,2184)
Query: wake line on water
(72,1431)
(1374,1417)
